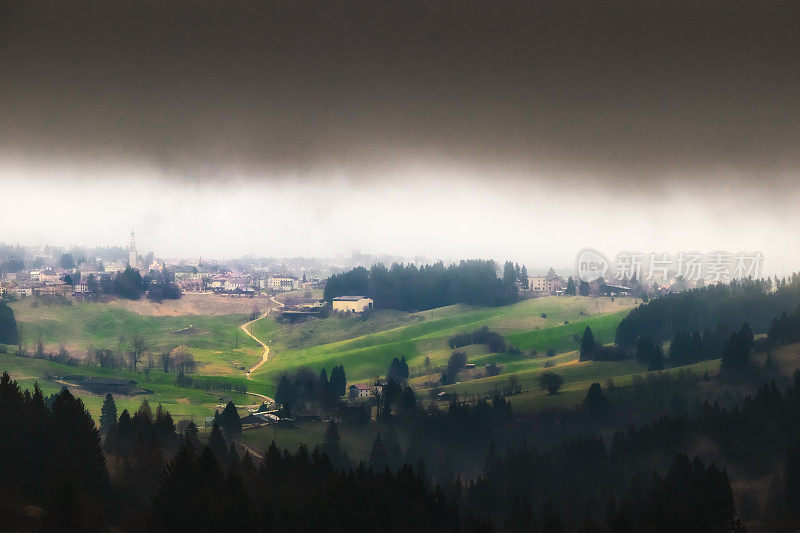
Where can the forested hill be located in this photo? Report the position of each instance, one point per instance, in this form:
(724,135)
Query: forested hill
(756,302)
(407,287)
(8,325)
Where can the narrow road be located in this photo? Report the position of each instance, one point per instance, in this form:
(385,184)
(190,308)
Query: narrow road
(249,450)
(265,354)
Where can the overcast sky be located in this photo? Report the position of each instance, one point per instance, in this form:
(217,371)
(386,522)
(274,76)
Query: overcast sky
(504,129)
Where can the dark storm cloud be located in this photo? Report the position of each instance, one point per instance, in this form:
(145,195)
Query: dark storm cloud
(206,87)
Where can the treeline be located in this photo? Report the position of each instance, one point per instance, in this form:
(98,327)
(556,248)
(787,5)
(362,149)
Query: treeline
(756,302)
(303,389)
(785,328)
(495,342)
(156,285)
(732,347)
(591,349)
(167,479)
(131,285)
(410,288)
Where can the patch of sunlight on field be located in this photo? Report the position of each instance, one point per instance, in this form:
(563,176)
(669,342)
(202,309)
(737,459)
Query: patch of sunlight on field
(427,333)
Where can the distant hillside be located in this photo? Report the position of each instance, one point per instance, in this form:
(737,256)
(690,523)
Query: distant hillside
(366,345)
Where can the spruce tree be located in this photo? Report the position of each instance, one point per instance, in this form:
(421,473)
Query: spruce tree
(570,290)
(108,415)
(588,344)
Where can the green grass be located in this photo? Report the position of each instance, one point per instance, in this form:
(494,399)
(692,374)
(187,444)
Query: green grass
(332,341)
(85,325)
(577,375)
(356,439)
(180,402)
(365,345)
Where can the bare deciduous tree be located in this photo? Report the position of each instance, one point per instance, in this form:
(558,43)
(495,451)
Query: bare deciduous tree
(138,349)
(166,361)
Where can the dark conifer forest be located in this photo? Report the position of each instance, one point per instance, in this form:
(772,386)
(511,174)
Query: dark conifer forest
(144,474)
(408,287)
(723,307)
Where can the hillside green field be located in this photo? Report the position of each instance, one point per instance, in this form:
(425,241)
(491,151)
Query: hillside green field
(180,402)
(366,345)
(81,326)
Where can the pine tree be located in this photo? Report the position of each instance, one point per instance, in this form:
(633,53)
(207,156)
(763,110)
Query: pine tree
(9,333)
(108,415)
(338,381)
(231,422)
(523,278)
(588,344)
(570,290)
(595,401)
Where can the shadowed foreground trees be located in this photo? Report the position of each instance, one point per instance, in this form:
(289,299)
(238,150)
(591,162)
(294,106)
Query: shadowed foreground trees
(51,456)
(640,480)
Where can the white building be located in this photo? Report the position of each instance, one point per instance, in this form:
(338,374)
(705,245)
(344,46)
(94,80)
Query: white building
(22,292)
(231,284)
(351,304)
(281,283)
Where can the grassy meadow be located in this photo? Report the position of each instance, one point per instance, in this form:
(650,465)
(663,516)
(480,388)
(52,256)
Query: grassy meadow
(81,326)
(366,345)
(180,402)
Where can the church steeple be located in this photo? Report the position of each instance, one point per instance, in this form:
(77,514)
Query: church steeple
(132,251)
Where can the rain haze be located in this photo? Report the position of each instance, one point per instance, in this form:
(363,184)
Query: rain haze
(437,129)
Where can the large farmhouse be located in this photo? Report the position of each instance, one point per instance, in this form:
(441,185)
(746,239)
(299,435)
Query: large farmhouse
(351,304)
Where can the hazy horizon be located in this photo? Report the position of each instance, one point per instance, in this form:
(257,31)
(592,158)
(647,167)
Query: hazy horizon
(296,129)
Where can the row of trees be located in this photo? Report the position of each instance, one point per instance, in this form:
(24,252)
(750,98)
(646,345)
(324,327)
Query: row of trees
(591,349)
(302,389)
(756,302)
(734,348)
(785,328)
(481,335)
(170,480)
(408,287)
(130,284)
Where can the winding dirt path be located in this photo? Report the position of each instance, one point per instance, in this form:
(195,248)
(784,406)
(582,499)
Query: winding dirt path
(265,354)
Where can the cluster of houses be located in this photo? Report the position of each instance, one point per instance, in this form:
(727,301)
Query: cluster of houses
(50,274)
(79,283)
(550,283)
(244,283)
(35,283)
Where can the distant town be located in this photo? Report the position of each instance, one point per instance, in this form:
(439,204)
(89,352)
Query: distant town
(84,273)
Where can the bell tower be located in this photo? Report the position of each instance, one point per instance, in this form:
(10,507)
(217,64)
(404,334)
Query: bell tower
(132,252)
